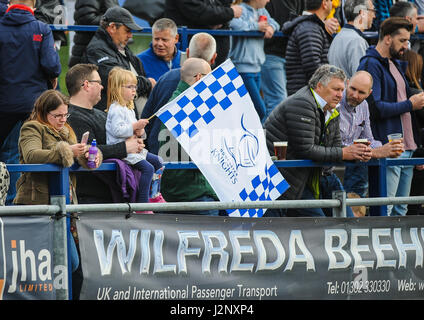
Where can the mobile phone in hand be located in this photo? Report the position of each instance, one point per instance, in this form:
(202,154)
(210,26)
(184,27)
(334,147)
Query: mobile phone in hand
(84,138)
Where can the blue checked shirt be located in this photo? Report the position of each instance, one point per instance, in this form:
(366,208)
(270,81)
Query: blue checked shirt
(355,123)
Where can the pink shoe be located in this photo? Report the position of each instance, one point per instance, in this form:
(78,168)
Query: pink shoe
(157,199)
(145,212)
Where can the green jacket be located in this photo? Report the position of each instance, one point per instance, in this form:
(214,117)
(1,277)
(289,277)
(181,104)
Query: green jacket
(183,185)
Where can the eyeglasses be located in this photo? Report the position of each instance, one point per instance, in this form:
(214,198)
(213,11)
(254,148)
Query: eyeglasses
(97,81)
(60,116)
(131,87)
(372,10)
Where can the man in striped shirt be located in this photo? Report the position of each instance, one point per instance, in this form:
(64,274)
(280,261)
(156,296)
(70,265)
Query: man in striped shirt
(355,124)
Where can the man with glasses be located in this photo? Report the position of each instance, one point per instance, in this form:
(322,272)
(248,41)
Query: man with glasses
(309,122)
(109,49)
(349,45)
(29,65)
(84,87)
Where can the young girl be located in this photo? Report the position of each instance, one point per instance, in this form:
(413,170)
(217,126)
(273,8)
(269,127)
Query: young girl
(247,53)
(121,124)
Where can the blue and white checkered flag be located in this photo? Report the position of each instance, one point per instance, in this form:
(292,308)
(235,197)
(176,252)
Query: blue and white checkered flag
(217,125)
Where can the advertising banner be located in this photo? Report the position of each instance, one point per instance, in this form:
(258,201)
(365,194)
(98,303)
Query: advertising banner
(177,257)
(26,259)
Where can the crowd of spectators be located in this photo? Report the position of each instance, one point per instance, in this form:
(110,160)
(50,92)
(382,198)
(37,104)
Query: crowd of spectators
(320,87)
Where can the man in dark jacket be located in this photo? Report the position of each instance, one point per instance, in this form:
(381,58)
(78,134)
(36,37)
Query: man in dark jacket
(205,14)
(308,44)
(393,104)
(109,49)
(28,64)
(84,90)
(3,7)
(309,122)
(273,73)
(87,13)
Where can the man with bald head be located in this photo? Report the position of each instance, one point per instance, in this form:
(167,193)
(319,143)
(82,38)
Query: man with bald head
(202,45)
(355,124)
(185,185)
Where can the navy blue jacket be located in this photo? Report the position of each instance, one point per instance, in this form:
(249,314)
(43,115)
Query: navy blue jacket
(3,7)
(159,96)
(28,59)
(154,66)
(385,96)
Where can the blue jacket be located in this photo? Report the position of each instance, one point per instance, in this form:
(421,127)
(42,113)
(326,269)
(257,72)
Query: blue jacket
(384,93)
(154,66)
(28,59)
(159,96)
(3,7)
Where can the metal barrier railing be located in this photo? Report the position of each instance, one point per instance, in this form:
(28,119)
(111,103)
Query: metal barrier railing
(59,207)
(186,32)
(59,186)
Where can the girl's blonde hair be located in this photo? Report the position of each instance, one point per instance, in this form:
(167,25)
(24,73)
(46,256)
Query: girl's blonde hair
(119,77)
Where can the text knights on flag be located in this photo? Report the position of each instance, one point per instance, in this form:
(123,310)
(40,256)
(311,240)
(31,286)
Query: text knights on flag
(218,111)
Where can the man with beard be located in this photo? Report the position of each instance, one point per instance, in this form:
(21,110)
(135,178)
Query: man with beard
(309,121)
(391,110)
(355,124)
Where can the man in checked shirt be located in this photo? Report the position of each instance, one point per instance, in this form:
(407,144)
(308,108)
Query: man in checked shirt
(355,124)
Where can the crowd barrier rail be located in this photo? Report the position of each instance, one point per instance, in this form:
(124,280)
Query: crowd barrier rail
(60,203)
(186,32)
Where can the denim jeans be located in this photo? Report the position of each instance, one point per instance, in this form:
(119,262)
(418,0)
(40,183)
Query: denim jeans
(212,212)
(306,212)
(273,82)
(9,154)
(328,184)
(252,81)
(399,180)
(356,180)
(147,167)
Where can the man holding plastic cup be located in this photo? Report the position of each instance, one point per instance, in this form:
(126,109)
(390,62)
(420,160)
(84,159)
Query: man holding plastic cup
(355,127)
(309,122)
(392,110)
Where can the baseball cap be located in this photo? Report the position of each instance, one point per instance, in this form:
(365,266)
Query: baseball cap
(118,14)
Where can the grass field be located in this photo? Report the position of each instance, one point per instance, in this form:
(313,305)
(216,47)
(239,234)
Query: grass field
(140,43)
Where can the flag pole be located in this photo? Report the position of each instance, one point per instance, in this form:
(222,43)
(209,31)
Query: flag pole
(149,118)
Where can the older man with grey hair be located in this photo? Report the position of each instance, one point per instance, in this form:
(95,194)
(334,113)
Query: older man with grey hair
(162,54)
(349,45)
(309,122)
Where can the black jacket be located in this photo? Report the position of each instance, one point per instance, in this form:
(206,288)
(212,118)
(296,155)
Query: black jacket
(102,52)
(88,13)
(199,14)
(203,14)
(306,51)
(300,122)
(51,12)
(91,187)
(282,11)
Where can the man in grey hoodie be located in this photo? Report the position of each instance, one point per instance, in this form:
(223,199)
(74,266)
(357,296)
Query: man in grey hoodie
(349,45)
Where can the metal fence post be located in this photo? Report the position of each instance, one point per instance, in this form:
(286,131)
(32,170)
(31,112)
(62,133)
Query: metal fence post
(59,187)
(340,212)
(60,243)
(184,38)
